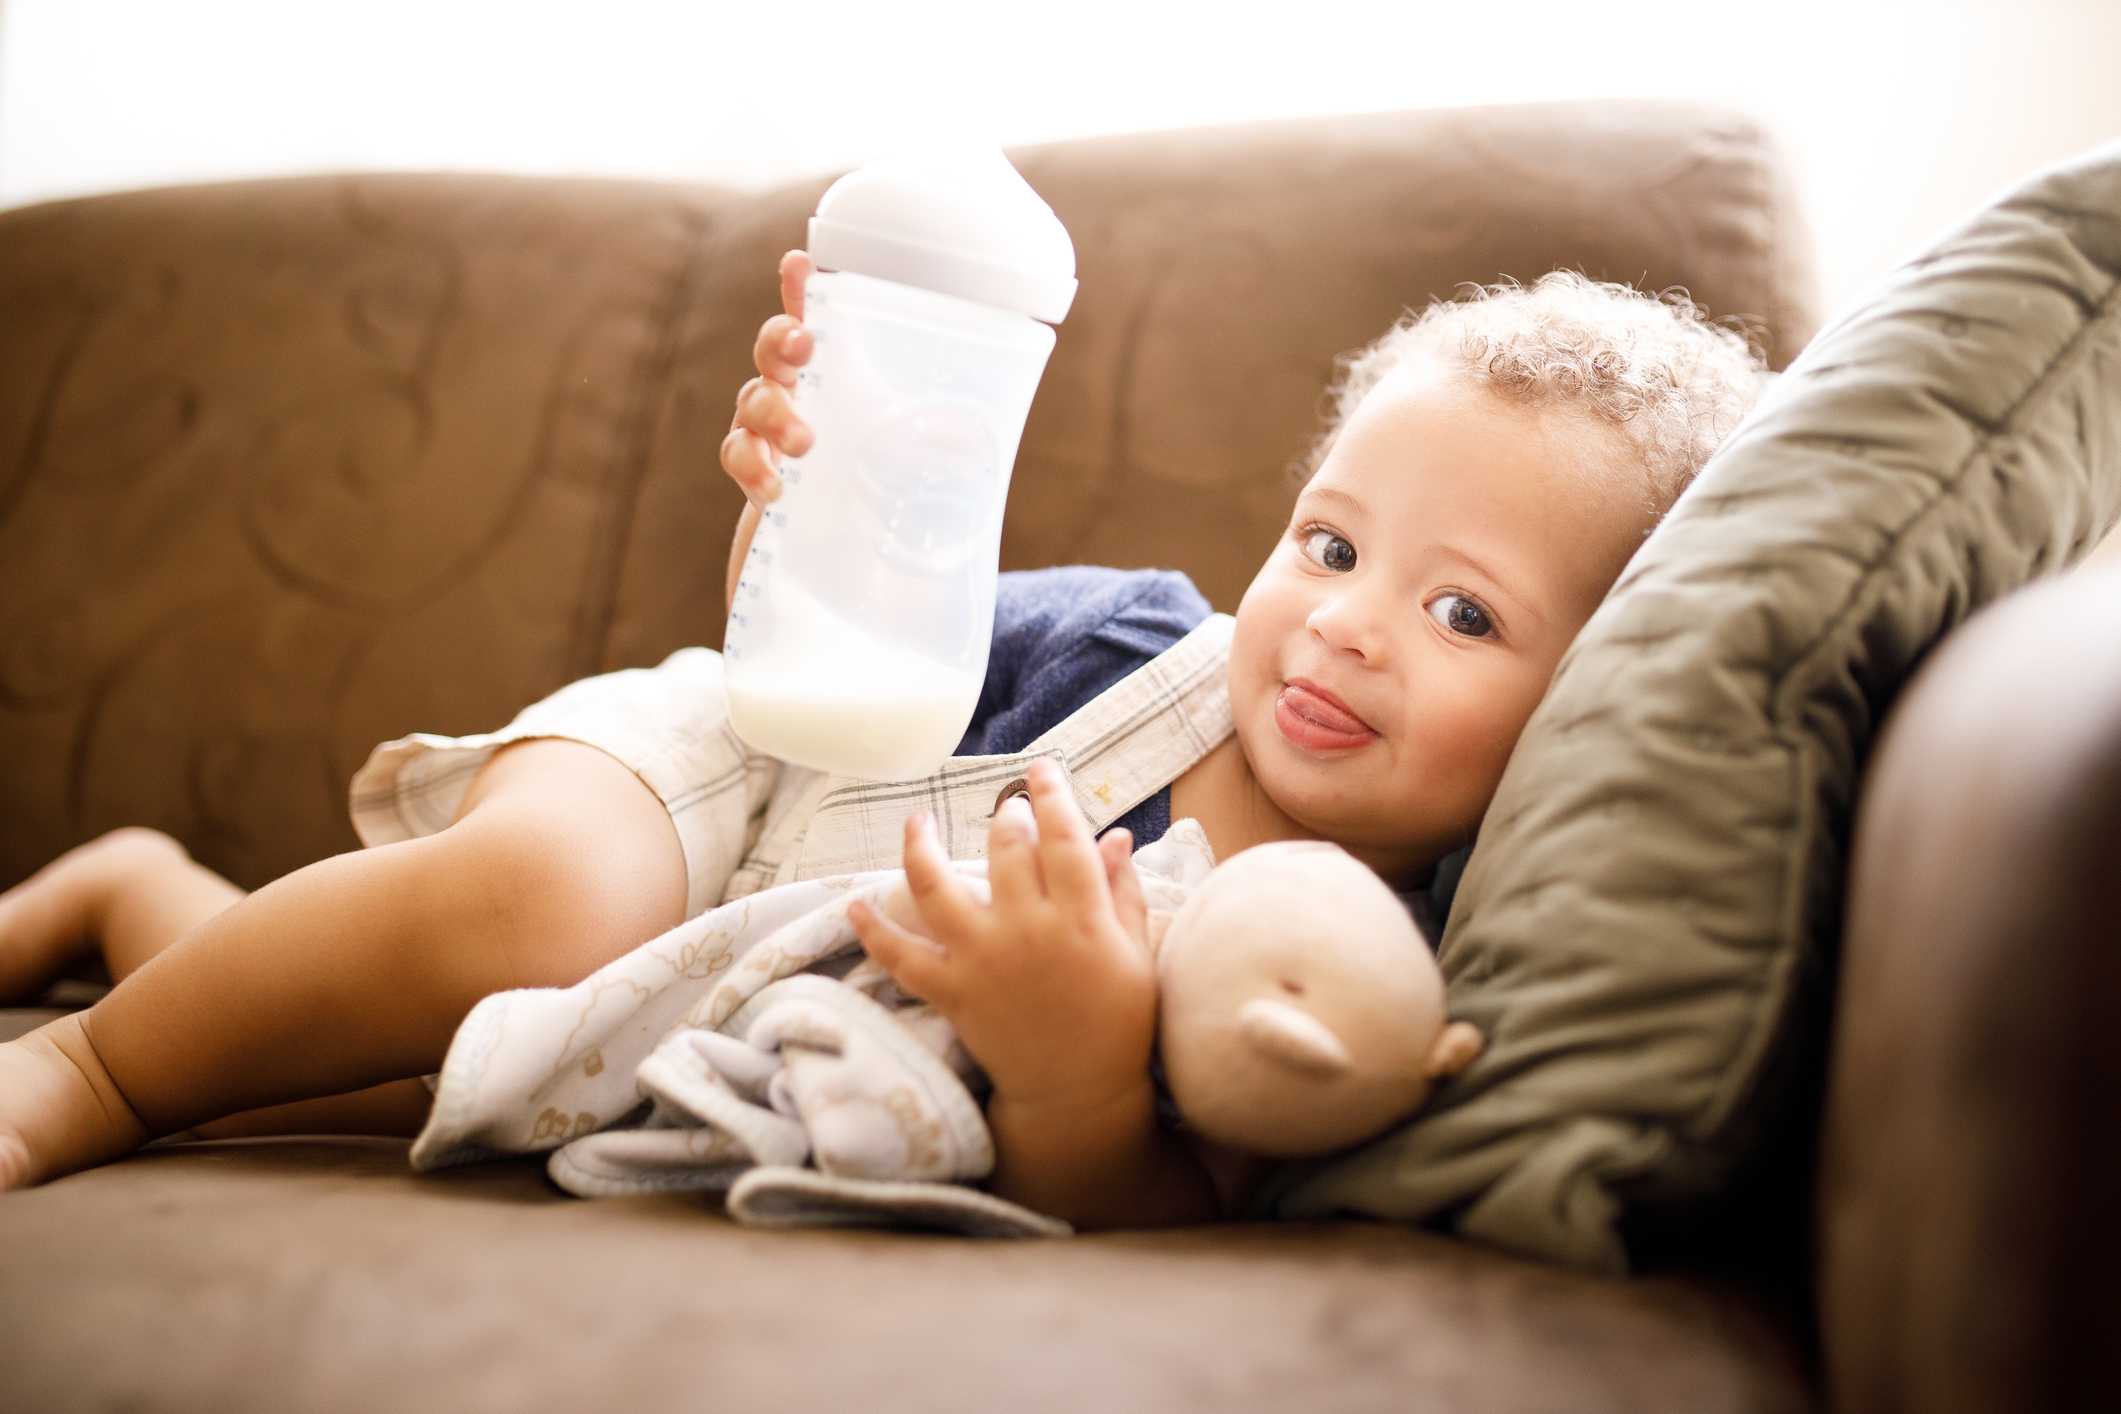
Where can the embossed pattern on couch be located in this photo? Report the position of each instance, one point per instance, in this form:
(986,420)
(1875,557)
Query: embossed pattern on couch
(287,468)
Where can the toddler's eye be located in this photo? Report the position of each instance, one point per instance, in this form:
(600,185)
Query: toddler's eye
(1328,551)
(1461,615)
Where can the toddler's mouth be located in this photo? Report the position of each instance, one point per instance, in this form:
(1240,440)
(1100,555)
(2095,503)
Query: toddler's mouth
(1316,720)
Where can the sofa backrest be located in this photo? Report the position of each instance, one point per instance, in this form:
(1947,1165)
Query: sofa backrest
(291,467)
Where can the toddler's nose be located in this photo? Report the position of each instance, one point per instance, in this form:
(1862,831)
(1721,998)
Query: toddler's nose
(1347,623)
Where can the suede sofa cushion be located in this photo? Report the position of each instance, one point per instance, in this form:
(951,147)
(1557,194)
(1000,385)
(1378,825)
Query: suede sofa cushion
(260,1276)
(1655,898)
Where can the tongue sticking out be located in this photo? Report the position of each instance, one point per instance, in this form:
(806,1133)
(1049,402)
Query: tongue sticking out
(1318,723)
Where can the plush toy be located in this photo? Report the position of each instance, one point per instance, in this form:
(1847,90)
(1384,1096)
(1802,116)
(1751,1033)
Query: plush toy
(1301,1012)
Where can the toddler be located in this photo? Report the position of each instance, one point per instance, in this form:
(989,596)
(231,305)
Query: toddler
(1491,467)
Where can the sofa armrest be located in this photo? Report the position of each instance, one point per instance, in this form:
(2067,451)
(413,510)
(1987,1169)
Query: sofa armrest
(1968,1226)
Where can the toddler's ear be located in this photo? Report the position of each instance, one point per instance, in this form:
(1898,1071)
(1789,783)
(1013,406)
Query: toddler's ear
(1453,1050)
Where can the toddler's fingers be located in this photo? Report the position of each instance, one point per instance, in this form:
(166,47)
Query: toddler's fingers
(949,909)
(751,464)
(766,409)
(796,269)
(898,906)
(1074,872)
(783,347)
(1117,850)
(1013,871)
(916,964)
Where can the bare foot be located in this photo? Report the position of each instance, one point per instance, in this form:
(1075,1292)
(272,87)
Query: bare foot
(59,1111)
(56,916)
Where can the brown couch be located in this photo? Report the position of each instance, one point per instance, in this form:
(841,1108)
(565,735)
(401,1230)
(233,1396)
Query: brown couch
(288,468)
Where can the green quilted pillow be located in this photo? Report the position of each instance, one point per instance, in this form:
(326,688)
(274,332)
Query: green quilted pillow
(1647,926)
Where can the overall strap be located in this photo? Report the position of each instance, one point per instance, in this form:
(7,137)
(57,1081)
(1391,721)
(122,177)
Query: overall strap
(1147,729)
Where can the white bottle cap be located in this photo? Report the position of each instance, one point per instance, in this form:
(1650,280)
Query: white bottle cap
(959,222)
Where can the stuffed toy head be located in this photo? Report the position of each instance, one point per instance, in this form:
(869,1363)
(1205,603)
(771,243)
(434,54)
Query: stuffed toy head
(1300,1010)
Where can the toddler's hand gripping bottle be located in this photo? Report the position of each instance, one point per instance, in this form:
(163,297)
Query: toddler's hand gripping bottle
(858,640)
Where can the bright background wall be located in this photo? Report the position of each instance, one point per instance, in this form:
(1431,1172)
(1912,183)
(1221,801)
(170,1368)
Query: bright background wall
(1900,114)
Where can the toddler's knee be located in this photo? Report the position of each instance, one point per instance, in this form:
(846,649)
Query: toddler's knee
(141,840)
(125,853)
(574,863)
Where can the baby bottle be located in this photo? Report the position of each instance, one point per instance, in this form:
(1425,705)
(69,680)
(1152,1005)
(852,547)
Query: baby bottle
(858,640)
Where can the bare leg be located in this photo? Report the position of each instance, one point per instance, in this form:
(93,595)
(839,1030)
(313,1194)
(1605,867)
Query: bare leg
(132,892)
(355,971)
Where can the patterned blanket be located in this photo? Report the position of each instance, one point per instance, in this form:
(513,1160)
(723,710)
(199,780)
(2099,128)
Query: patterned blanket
(755,1051)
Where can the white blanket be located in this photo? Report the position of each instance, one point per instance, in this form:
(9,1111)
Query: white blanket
(753,1050)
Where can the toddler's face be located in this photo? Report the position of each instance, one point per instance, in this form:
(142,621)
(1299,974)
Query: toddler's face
(1391,648)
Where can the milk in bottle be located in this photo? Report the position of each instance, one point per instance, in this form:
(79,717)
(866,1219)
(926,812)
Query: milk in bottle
(858,640)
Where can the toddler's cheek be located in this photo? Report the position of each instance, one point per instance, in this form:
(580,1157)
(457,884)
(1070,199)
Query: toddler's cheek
(1254,678)
(1463,761)
(1270,614)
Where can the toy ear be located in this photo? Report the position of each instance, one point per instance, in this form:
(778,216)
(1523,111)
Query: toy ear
(1453,1050)
(1293,1036)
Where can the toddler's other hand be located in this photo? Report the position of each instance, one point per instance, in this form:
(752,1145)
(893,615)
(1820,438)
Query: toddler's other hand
(1051,988)
(766,428)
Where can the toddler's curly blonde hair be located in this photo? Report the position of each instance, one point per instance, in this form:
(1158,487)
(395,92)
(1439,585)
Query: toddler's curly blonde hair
(1653,366)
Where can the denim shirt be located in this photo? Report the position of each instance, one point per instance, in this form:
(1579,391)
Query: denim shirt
(1064,635)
